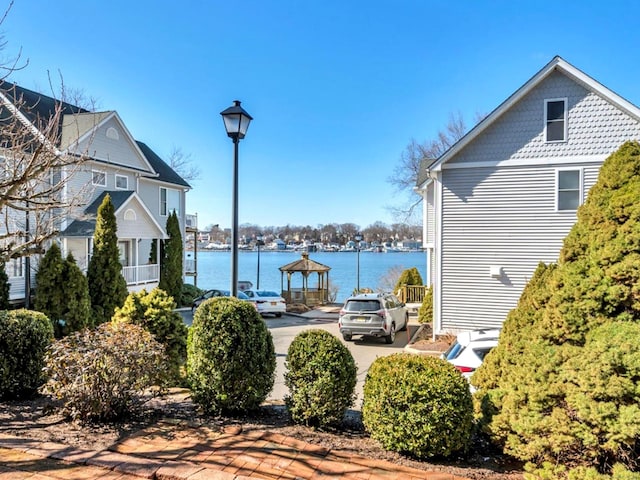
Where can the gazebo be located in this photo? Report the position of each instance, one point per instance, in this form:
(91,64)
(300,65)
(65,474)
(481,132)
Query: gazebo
(317,295)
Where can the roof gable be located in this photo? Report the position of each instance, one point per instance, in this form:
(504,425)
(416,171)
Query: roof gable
(557,64)
(120,199)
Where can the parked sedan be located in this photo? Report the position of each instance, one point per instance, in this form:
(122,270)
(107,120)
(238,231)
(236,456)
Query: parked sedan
(215,293)
(267,301)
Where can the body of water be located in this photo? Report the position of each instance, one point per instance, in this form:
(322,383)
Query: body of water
(214,269)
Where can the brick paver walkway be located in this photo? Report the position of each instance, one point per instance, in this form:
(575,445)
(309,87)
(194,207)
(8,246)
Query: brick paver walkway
(175,450)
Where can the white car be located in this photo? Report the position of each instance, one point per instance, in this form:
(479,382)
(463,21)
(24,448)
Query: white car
(267,301)
(467,352)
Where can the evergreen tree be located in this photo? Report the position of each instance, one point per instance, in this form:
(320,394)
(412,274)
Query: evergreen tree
(76,295)
(562,388)
(171,266)
(153,252)
(411,276)
(4,286)
(50,297)
(107,286)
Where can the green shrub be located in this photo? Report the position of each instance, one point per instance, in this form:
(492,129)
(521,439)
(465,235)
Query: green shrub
(425,313)
(62,293)
(411,276)
(189,294)
(231,359)
(155,312)
(417,405)
(102,374)
(563,384)
(321,377)
(24,338)
(171,268)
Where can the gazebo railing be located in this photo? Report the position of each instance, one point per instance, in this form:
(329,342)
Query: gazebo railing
(308,297)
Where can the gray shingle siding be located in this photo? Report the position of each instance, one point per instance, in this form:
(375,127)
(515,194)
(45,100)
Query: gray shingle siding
(595,127)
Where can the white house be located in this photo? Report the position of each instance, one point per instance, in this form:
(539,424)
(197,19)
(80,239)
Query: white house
(503,198)
(143,188)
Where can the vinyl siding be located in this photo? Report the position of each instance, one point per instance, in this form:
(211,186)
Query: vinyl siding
(120,150)
(501,217)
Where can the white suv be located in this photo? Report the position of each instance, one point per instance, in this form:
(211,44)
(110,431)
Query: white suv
(467,352)
(374,314)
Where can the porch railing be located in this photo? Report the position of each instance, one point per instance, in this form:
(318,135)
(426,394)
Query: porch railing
(136,275)
(412,293)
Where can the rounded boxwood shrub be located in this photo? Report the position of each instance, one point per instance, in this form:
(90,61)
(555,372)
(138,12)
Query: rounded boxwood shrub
(102,374)
(25,336)
(231,359)
(154,311)
(417,405)
(321,377)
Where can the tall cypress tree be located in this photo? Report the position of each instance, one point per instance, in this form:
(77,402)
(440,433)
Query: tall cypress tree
(50,297)
(107,286)
(76,294)
(171,264)
(4,287)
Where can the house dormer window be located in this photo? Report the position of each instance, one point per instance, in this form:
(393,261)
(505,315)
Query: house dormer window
(99,178)
(555,120)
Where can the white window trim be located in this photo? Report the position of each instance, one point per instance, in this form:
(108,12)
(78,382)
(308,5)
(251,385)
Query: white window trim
(565,120)
(556,190)
(93,172)
(166,202)
(126,187)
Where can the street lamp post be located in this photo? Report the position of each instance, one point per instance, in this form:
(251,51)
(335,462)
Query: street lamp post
(259,243)
(236,122)
(358,239)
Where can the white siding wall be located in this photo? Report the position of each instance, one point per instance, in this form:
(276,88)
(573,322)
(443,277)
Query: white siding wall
(503,218)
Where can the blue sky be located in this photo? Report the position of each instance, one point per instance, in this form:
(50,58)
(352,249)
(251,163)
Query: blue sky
(336,88)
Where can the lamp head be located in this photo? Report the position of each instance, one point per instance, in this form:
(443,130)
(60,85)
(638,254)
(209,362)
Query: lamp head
(236,121)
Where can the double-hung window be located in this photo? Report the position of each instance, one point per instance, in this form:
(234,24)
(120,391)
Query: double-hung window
(555,120)
(169,201)
(569,189)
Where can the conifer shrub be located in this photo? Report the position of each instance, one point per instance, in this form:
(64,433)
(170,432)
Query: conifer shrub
(417,405)
(189,294)
(171,268)
(563,384)
(62,293)
(107,286)
(425,312)
(321,377)
(25,336)
(104,373)
(154,311)
(231,359)
(4,286)
(410,276)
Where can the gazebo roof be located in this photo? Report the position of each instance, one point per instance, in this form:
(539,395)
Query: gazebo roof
(304,265)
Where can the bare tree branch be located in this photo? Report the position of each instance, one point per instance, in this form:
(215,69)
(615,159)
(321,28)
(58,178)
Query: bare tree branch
(407,170)
(182,164)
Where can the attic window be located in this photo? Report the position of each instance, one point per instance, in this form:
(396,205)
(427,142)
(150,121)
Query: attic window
(555,119)
(113,134)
